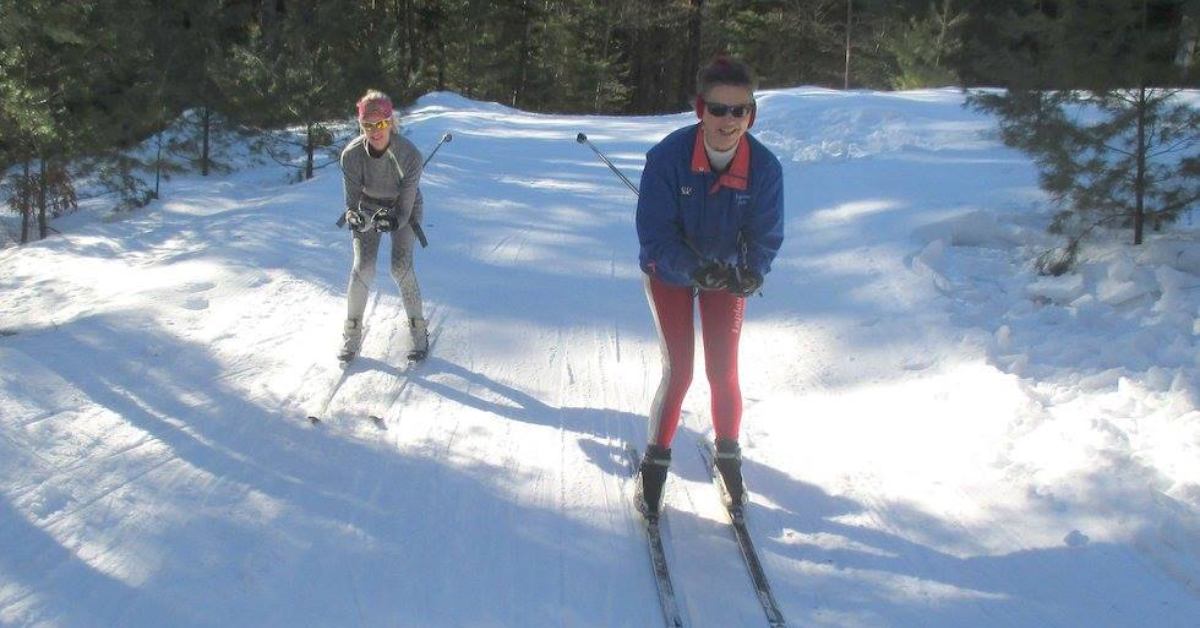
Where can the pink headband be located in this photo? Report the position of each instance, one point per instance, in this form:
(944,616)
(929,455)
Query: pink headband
(376,106)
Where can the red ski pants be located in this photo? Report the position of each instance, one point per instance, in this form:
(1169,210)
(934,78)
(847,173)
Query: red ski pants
(721,315)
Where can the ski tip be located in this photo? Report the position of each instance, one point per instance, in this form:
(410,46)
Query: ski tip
(314,420)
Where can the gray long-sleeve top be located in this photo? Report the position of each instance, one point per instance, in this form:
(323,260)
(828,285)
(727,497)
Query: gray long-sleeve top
(393,175)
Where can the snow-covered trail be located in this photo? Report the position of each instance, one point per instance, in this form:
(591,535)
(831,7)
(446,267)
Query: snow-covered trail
(911,462)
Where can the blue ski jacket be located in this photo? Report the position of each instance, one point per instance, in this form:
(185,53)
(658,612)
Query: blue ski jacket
(688,215)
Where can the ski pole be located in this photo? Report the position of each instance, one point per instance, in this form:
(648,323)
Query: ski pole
(583,139)
(446,137)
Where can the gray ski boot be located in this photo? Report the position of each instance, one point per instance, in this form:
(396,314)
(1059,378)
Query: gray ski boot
(420,339)
(351,340)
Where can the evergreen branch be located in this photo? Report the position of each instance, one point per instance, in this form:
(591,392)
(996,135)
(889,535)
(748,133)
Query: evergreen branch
(278,160)
(1178,145)
(1175,206)
(1120,151)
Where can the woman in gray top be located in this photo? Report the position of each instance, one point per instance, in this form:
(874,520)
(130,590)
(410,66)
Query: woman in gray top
(381,171)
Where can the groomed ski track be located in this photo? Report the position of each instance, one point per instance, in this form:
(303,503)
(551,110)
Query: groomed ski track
(155,467)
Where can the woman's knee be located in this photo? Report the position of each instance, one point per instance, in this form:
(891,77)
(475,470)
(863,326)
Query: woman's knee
(402,269)
(722,378)
(678,374)
(364,270)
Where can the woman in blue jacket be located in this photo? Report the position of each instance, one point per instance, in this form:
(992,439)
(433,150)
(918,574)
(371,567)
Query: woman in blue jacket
(710,221)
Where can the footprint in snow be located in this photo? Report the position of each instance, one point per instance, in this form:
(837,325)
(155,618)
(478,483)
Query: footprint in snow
(195,303)
(1075,538)
(198,286)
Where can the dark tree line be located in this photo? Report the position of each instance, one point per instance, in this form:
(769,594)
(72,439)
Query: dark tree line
(83,81)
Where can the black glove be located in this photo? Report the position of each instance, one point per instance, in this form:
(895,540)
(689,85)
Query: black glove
(384,221)
(745,281)
(357,220)
(712,276)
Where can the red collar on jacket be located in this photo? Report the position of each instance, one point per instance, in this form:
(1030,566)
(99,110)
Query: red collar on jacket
(736,177)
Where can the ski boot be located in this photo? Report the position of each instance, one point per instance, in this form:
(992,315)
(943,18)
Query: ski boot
(351,340)
(652,475)
(420,339)
(729,464)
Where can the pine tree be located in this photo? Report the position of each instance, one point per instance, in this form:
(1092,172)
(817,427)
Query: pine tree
(923,46)
(42,47)
(291,75)
(1115,145)
(189,39)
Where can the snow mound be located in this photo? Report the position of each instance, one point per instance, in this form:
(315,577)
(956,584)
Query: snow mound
(438,102)
(868,125)
(976,228)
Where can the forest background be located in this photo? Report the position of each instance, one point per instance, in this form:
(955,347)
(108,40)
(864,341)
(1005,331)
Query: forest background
(82,83)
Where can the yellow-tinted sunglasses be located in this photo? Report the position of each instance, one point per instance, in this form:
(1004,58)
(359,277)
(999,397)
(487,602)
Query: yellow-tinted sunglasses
(367,127)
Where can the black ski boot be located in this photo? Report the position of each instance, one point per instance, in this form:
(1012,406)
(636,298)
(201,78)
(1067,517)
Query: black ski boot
(729,463)
(652,475)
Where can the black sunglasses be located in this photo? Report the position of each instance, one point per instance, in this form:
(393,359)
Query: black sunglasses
(738,111)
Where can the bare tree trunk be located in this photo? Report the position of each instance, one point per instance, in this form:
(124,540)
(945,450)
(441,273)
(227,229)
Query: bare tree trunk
(267,17)
(637,63)
(158,161)
(1139,185)
(470,73)
(603,77)
(526,50)
(661,82)
(407,29)
(691,62)
(43,224)
(944,18)
(414,48)
(440,34)
(849,23)
(26,206)
(1186,54)
(309,149)
(206,129)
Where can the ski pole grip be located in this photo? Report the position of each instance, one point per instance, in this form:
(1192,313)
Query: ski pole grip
(583,139)
(446,137)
